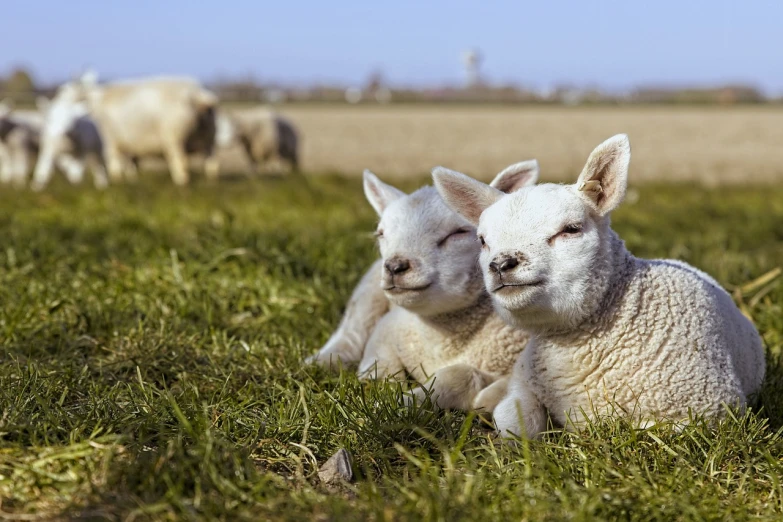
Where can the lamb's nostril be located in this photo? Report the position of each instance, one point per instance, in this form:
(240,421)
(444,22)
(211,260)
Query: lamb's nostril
(397,266)
(503,264)
(508,264)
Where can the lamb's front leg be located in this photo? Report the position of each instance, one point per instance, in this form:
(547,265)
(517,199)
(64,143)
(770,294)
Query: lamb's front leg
(453,387)
(489,398)
(380,361)
(6,172)
(520,413)
(366,306)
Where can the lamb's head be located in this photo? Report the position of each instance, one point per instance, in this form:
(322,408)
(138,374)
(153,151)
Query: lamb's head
(545,248)
(430,252)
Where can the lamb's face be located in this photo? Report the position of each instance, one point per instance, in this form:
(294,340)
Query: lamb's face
(429,255)
(541,245)
(538,248)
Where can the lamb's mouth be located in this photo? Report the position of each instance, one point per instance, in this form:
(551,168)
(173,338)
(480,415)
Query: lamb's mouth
(402,289)
(512,286)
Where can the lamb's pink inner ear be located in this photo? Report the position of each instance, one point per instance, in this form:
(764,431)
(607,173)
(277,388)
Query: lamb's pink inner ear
(604,179)
(516,176)
(464,195)
(378,193)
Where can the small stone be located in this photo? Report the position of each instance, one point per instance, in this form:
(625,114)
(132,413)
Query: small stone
(337,469)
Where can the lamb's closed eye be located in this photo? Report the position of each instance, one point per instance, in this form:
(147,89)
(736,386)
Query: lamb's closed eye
(570,230)
(460,232)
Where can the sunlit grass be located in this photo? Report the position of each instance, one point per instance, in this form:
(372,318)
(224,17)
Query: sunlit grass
(152,341)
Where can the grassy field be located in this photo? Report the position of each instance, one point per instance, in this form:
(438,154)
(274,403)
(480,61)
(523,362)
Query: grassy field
(705,144)
(151,342)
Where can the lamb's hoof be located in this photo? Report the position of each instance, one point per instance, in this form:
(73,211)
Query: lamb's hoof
(416,396)
(337,469)
(330,362)
(488,399)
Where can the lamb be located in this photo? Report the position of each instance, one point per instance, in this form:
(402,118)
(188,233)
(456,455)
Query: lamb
(262,133)
(70,139)
(653,339)
(19,142)
(172,117)
(440,328)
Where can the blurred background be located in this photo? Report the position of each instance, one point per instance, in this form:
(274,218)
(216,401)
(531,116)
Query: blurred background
(403,86)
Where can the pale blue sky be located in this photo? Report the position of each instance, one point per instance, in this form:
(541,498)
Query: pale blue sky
(614,44)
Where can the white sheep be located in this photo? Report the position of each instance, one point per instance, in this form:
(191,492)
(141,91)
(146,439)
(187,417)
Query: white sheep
(149,117)
(19,141)
(441,328)
(656,339)
(70,139)
(263,134)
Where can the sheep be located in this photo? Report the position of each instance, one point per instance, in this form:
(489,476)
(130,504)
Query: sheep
(70,139)
(652,339)
(19,142)
(262,133)
(172,117)
(433,319)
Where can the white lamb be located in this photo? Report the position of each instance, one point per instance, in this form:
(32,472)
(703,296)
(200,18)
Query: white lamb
(441,328)
(70,139)
(263,134)
(171,117)
(657,338)
(19,141)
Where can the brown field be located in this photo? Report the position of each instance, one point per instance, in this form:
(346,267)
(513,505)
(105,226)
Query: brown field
(709,145)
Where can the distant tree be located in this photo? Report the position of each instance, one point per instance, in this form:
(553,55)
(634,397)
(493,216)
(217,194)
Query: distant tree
(19,85)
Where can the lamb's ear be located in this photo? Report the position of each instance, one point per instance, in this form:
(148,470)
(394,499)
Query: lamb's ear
(463,194)
(378,193)
(605,176)
(516,176)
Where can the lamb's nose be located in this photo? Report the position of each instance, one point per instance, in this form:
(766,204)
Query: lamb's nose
(396,265)
(504,264)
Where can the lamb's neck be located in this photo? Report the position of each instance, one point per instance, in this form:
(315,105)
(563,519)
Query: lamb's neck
(610,288)
(465,321)
(607,287)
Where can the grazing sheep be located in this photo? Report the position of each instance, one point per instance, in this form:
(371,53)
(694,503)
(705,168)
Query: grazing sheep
(262,133)
(652,339)
(441,325)
(172,117)
(19,141)
(70,139)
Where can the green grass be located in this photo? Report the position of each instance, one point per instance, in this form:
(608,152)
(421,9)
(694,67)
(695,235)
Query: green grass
(151,342)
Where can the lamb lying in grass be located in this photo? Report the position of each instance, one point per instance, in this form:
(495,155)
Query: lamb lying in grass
(657,338)
(441,326)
